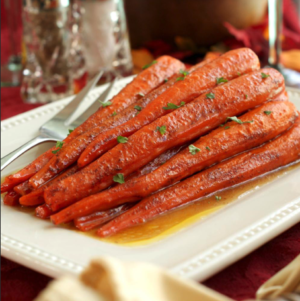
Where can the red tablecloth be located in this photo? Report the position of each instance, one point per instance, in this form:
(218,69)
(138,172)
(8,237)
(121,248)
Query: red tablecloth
(239,281)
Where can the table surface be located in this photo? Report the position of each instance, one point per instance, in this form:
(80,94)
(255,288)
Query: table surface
(239,281)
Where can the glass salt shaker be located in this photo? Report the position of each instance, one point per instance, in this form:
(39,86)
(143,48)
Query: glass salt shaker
(105,38)
(55,66)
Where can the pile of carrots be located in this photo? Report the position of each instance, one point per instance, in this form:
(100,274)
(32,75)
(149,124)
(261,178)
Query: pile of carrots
(171,136)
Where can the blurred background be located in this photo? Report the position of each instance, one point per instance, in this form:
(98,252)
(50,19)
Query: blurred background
(51,48)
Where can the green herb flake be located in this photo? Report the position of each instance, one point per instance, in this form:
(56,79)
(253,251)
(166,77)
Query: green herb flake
(218,198)
(221,80)
(162,129)
(149,65)
(180,78)
(114,114)
(141,94)
(235,119)
(193,149)
(264,75)
(119,178)
(246,96)
(166,80)
(172,106)
(268,112)
(138,108)
(210,95)
(221,125)
(122,139)
(227,127)
(239,73)
(105,104)
(207,148)
(184,72)
(59,145)
(70,131)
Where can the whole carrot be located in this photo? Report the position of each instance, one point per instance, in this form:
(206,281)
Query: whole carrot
(36,197)
(250,130)
(188,87)
(94,220)
(11,198)
(144,82)
(43,211)
(176,128)
(244,167)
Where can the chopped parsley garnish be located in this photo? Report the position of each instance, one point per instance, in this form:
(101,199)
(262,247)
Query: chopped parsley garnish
(141,94)
(221,80)
(234,118)
(166,80)
(193,149)
(180,78)
(184,72)
(105,104)
(268,112)
(148,65)
(227,127)
(138,108)
(172,106)
(218,198)
(59,144)
(239,73)
(119,178)
(70,131)
(246,96)
(264,75)
(210,95)
(207,148)
(122,139)
(162,129)
(114,114)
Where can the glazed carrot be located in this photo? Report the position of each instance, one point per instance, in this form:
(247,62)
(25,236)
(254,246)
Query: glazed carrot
(23,188)
(36,197)
(176,128)
(43,211)
(227,66)
(218,145)
(69,154)
(144,82)
(279,152)
(11,198)
(94,220)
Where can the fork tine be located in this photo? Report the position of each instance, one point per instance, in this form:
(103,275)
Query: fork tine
(104,96)
(72,108)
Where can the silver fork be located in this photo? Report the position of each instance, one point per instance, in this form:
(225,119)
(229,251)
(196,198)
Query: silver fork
(57,128)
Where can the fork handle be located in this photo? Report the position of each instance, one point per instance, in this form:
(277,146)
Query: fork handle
(6,160)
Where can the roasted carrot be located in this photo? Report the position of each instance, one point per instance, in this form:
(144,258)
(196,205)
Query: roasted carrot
(94,220)
(11,198)
(23,188)
(145,82)
(176,128)
(36,197)
(279,152)
(43,211)
(227,66)
(218,145)
(69,154)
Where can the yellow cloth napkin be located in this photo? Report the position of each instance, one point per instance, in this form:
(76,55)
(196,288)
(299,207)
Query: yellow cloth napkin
(108,279)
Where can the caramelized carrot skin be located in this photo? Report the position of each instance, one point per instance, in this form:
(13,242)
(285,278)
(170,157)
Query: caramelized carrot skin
(43,211)
(36,197)
(146,81)
(23,188)
(228,66)
(246,166)
(183,125)
(223,142)
(11,198)
(94,220)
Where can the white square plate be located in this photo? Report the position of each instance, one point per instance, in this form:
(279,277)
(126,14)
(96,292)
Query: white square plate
(196,252)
